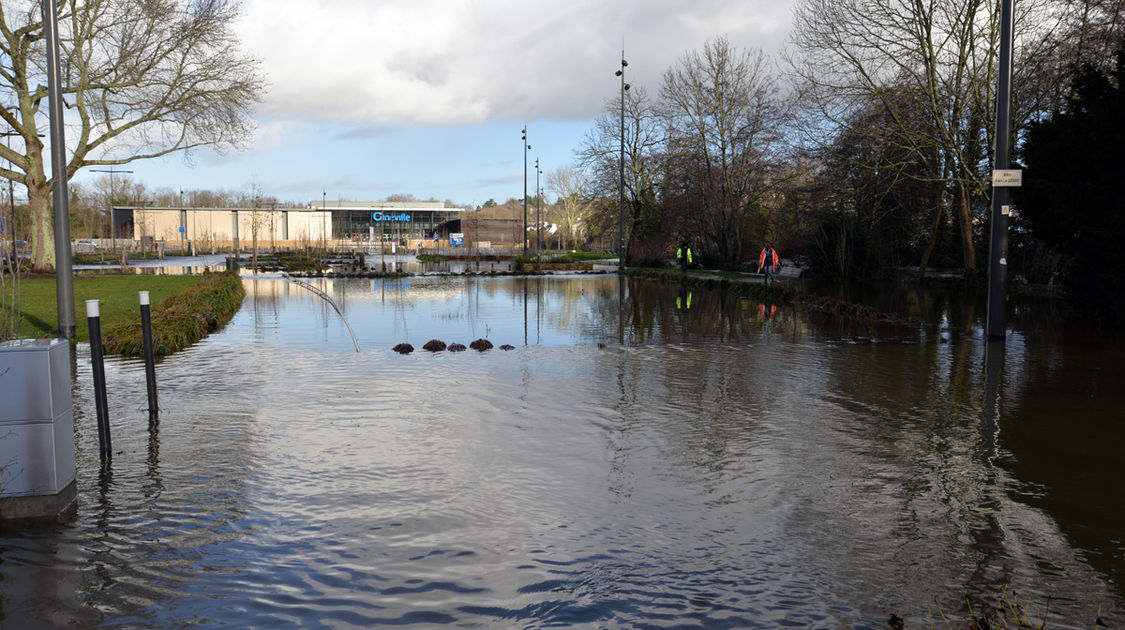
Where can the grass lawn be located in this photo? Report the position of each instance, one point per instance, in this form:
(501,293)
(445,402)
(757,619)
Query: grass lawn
(117,294)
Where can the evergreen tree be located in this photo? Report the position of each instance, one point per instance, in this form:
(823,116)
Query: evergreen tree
(1072,196)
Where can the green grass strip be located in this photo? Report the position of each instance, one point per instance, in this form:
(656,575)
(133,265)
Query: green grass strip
(182,319)
(117,295)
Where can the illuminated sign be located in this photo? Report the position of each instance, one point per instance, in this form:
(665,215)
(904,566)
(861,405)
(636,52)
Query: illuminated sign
(379,216)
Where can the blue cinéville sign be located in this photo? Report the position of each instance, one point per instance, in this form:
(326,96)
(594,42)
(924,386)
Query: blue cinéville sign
(379,216)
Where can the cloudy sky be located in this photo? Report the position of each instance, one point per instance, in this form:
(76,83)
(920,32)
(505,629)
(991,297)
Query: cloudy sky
(370,98)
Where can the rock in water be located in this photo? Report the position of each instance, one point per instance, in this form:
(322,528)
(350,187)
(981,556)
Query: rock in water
(507,346)
(480,345)
(434,345)
(403,348)
(456,347)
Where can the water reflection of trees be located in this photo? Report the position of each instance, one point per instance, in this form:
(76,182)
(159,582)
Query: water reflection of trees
(885,445)
(1061,435)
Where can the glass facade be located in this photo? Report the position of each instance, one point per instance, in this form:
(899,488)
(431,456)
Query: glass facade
(388,224)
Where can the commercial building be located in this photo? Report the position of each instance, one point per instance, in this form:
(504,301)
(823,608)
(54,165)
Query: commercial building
(377,221)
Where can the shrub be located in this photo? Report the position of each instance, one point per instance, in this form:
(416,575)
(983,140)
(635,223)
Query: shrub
(182,319)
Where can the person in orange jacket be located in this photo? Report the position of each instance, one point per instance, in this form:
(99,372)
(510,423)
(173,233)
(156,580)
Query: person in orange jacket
(769,261)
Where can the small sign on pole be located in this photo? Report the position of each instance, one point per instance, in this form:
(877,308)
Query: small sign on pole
(1008,177)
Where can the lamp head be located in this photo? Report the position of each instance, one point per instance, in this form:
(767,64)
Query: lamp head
(617,74)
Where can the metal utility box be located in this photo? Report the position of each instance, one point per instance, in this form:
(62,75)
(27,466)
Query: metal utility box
(37,470)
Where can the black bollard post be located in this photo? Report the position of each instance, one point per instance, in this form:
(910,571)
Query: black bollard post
(150,359)
(97,358)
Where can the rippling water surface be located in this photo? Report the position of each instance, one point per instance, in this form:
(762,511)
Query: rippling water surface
(629,464)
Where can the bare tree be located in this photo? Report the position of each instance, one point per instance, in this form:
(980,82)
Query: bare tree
(140,80)
(933,58)
(600,157)
(259,218)
(724,119)
(570,186)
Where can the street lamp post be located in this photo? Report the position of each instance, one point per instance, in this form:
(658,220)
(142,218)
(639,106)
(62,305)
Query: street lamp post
(538,212)
(11,188)
(323,221)
(11,197)
(64,268)
(183,224)
(621,181)
(998,244)
(526,146)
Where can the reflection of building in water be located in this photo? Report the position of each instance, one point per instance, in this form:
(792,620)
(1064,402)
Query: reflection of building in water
(378,221)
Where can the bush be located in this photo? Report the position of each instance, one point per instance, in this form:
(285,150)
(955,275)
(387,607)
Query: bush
(182,319)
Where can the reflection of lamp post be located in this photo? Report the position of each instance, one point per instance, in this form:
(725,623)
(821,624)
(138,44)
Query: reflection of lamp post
(526,146)
(112,194)
(621,183)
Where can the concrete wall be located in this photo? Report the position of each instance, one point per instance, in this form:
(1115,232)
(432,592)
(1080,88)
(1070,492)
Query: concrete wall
(207,226)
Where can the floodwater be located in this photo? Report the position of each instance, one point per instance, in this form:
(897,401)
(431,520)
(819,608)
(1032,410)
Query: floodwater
(633,462)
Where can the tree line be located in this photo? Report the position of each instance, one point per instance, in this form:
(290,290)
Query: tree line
(865,147)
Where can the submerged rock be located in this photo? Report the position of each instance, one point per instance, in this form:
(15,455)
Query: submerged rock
(403,348)
(456,347)
(507,346)
(480,345)
(434,345)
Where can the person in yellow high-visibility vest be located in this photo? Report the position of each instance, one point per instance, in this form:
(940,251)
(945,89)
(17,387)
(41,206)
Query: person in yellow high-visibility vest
(683,255)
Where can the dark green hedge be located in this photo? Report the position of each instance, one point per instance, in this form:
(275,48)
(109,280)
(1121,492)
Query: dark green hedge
(182,319)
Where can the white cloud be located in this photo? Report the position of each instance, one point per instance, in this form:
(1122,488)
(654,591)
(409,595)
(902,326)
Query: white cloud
(447,62)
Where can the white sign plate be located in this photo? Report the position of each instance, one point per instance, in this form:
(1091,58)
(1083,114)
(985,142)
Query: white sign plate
(1012,177)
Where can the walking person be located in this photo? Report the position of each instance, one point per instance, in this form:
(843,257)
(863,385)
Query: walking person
(683,255)
(768,260)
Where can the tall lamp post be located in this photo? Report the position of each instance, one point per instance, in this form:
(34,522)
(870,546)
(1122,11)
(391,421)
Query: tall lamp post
(64,269)
(11,197)
(621,181)
(526,146)
(323,220)
(11,189)
(538,212)
(998,244)
(112,193)
(183,223)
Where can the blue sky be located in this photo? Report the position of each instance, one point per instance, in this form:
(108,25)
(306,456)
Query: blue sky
(427,97)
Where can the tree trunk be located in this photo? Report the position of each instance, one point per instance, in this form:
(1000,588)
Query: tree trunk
(930,247)
(967,247)
(42,239)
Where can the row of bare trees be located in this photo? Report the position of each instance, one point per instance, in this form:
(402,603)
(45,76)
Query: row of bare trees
(866,145)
